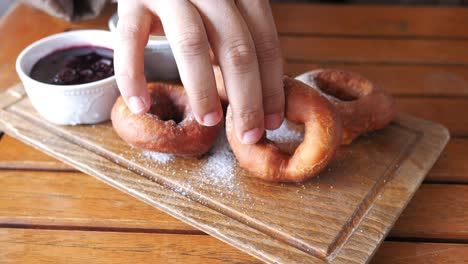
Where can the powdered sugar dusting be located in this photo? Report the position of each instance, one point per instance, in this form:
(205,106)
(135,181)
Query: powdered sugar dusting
(309,78)
(285,134)
(217,167)
(220,162)
(159,157)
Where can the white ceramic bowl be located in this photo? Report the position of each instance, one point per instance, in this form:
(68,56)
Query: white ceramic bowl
(88,103)
(159,59)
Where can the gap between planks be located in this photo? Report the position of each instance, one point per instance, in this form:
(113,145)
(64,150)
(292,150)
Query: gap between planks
(105,229)
(371,20)
(427,240)
(200,233)
(370,37)
(374,63)
(139,248)
(128,214)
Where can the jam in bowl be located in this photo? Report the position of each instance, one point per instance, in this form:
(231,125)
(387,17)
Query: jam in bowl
(69,77)
(74,65)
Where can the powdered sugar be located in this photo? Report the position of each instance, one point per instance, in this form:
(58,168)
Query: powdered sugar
(287,137)
(220,162)
(159,157)
(285,134)
(309,78)
(217,166)
(217,170)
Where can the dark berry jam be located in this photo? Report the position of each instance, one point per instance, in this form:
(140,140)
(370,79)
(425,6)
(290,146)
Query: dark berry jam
(74,65)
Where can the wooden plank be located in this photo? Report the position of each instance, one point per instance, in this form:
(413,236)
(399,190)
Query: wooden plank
(57,246)
(375,50)
(13,28)
(423,138)
(350,187)
(101,207)
(16,155)
(414,80)
(368,20)
(421,253)
(450,112)
(452,165)
(212,222)
(435,212)
(38,199)
(13,22)
(76,201)
(368,228)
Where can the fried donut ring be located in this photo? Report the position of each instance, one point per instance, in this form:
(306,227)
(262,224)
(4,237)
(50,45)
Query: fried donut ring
(169,127)
(322,137)
(363,107)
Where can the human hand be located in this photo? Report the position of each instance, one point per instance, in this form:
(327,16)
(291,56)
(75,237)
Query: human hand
(243,38)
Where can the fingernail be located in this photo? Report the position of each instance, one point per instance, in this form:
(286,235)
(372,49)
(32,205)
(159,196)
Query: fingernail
(211,119)
(272,121)
(136,104)
(251,136)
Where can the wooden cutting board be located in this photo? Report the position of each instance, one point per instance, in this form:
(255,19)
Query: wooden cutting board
(339,217)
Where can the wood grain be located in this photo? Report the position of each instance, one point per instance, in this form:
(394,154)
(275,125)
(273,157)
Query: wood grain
(17,155)
(375,50)
(431,78)
(74,201)
(415,78)
(421,253)
(342,249)
(214,223)
(371,20)
(437,212)
(77,201)
(55,246)
(376,155)
(448,111)
(46,246)
(402,80)
(452,165)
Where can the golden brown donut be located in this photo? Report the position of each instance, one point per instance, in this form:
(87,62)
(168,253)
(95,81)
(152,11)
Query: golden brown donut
(322,137)
(363,106)
(168,127)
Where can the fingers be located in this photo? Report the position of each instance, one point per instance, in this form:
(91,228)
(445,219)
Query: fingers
(234,48)
(186,34)
(132,35)
(259,19)
(156,26)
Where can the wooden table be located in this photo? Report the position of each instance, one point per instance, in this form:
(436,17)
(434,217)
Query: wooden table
(50,213)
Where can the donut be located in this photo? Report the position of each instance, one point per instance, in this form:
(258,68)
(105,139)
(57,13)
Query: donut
(169,126)
(322,137)
(363,106)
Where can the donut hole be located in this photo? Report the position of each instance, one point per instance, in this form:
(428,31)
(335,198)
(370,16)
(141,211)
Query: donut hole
(287,137)
(343,85)
(338,92)
(167,108)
